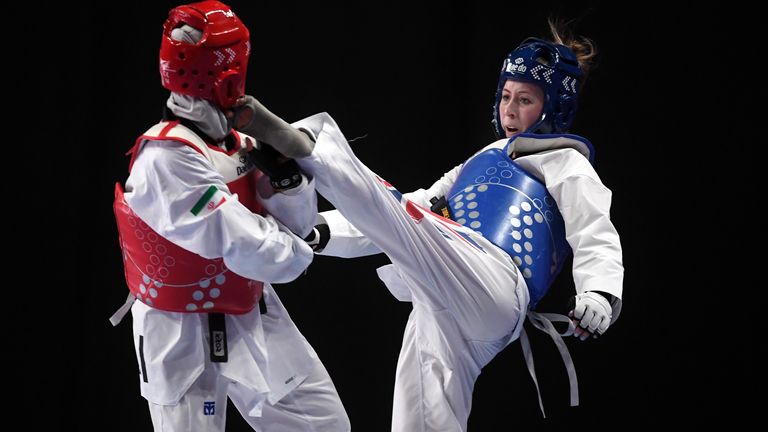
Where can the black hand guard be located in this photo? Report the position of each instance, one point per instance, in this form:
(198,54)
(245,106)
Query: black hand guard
(284,173)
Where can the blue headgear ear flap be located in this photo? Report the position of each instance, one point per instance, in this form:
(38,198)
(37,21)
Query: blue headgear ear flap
(556,70)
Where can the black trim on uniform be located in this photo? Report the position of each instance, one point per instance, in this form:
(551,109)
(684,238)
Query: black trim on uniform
(141,359)
(217,337)
(262,305)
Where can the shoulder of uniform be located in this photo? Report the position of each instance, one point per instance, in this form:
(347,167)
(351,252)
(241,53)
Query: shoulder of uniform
(528,143)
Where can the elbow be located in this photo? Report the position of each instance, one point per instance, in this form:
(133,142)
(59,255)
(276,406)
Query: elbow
(277,260)
(286,263)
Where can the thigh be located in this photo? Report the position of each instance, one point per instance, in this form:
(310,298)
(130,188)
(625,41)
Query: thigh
(313,406)
(450,266)
(202,408)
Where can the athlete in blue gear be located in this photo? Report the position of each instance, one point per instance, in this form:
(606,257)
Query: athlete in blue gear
(475,269)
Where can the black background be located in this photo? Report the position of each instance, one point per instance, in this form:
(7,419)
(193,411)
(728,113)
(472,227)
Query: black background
(418,80)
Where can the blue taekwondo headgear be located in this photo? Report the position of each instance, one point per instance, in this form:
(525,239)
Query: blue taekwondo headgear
(555,68)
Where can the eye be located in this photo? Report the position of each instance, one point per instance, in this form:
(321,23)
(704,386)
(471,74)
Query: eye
(525,101)
(505,98)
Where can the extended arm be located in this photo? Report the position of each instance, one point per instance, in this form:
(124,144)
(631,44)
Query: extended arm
(169,180)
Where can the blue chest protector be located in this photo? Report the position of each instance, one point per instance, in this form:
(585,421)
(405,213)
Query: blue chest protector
(513,210)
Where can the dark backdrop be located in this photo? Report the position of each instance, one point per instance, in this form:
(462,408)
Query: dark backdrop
(417,82)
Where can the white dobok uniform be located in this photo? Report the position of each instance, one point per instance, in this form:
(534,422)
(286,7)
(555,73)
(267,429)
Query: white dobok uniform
(469,298)
(272,375)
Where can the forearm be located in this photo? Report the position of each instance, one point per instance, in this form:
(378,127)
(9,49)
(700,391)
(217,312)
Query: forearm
(165,188)
(345,240)
(295,208)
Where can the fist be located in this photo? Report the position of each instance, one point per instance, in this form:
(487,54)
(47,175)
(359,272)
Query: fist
(591,315)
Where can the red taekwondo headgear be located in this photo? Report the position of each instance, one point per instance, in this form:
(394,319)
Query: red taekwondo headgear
(215,67)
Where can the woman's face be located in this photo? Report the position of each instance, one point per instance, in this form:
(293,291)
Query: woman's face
(520,106)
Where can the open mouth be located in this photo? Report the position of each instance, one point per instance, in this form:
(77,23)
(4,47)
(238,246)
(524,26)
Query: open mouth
(511,129)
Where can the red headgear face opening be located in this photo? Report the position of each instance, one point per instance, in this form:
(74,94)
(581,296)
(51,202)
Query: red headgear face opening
(215,67)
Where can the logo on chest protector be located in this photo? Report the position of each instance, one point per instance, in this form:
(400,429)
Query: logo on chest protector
(243,169)
(218,343)
(246,162)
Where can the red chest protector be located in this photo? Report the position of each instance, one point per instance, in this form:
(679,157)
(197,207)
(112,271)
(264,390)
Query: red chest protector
(168,277)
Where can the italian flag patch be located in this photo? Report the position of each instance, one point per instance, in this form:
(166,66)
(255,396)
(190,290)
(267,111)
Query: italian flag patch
(210,201)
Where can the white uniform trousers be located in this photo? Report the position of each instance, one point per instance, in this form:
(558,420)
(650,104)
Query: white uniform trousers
(469,298)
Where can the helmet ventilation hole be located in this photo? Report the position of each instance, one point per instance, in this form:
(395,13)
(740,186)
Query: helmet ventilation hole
(546,61)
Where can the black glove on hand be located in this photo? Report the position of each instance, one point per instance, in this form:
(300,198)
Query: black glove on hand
(319,237)
(284,173)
